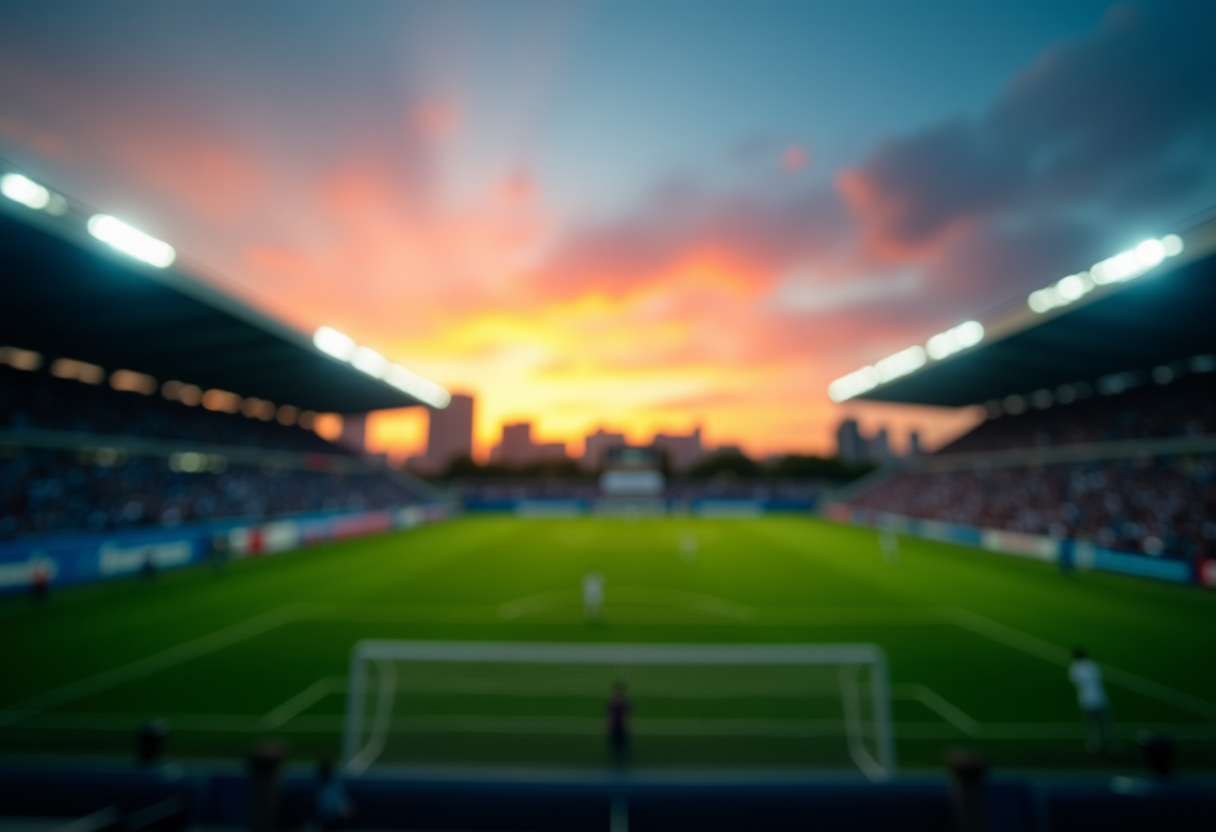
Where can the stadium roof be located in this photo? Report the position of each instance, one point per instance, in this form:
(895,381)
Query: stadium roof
(67,294)
(1113,325)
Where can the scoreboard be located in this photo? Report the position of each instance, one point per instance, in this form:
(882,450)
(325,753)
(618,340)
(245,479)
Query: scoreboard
(631,472)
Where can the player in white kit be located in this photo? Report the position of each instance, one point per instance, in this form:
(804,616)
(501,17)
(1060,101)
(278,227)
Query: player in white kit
(593,596)
(1091,696)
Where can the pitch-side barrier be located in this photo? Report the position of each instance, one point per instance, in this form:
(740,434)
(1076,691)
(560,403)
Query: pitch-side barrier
(722,508)
(1078,554)
(83,558)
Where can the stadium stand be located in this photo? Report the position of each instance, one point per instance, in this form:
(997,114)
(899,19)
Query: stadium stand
(1123,459)
(133,396)
(1161,505)
(83,488)
(45,491)
(1171,404)
(38,400)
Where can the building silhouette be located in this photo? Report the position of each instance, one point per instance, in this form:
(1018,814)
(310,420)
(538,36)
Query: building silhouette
(682,452)
(596,447)
(449,436)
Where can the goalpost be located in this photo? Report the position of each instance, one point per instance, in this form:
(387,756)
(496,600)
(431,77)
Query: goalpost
(693,706)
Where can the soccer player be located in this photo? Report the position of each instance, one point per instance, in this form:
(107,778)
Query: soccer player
(593,596)
(619,725)
(40,581)
(688,547)
(1091,695)
(889,544)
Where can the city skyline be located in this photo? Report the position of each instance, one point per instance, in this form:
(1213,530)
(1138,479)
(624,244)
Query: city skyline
(450,438)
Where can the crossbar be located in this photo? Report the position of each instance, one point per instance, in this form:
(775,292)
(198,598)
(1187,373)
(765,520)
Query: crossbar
(684,654)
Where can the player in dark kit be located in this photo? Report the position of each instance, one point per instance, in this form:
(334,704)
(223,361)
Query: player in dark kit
(618,712)
(40,581)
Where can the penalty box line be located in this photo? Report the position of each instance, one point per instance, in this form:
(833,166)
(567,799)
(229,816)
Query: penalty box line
(1057,655)
(148,665)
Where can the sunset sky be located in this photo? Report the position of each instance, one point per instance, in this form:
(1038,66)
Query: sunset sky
(640,215)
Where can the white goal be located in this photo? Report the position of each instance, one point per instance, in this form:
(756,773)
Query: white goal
(693,706)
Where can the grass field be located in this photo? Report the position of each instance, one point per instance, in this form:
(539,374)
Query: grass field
(977,643)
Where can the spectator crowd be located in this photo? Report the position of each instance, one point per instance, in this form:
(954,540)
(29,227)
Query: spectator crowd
(47,490)
(39,400)
(1165,505)
(1183,407)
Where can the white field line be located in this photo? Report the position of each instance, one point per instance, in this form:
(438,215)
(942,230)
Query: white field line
(618,814)
(855,615)
(938,705)
(304,700)
(1062,657)
(149,664)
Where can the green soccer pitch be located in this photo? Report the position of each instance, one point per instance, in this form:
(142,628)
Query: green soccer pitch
(977,644)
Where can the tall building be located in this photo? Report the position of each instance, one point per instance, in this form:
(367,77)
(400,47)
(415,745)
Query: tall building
(516,449)
(354,432)
(551,452)
(596,447)
(850,445)
(449,435)
(683,452)
(880,447)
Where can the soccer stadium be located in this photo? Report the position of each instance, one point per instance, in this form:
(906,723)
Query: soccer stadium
(216,613)
(928,606)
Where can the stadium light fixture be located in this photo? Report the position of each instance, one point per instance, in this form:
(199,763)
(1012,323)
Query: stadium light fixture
(955,339)
(331,342)
(854,384)
(366,360)
(131,241)
(900,364)
(424,390)
(1127,265)
(24,190)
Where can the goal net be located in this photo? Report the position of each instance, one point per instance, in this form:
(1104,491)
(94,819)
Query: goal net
(691,706)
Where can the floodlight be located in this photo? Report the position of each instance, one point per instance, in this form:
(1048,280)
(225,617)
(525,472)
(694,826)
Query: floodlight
(331,342)
(367,360)
(426,391)
(854,384)
(131,241)
(900,364)
(1150,252)
(24,190)
(1070,288)
(1039,301)
(969,334)
(958,338)
(1172,245)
